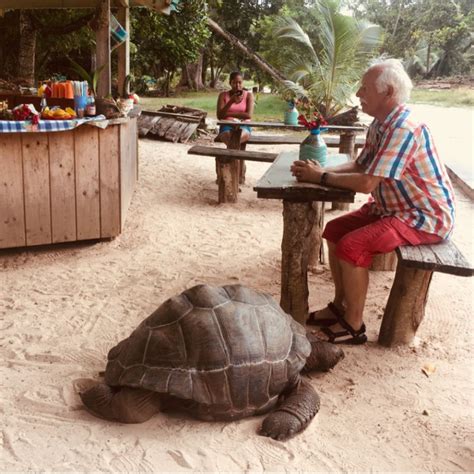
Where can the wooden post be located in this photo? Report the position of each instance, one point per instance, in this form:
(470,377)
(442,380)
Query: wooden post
(299,221)
(124,49)
(406,306)
(102,38)
(228,171)
(346,145)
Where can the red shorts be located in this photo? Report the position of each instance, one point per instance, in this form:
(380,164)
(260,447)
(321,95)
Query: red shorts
(359,236)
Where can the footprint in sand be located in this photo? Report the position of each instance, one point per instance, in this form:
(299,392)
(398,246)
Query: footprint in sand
(180,459)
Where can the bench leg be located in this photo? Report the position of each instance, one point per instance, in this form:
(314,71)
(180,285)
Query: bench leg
(299,220)
(227,180)
(316,249)
(242,166)
(346,145)
(405,307)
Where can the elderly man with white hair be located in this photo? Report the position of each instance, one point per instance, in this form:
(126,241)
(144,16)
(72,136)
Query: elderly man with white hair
(411,202)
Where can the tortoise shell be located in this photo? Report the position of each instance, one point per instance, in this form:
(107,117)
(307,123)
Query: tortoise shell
(227,346)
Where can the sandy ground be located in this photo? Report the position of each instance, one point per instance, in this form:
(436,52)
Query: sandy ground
(62,309)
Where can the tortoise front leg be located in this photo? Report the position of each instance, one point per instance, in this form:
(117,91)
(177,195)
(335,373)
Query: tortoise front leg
(294,413)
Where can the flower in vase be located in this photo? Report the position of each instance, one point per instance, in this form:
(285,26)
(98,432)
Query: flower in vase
(315,121)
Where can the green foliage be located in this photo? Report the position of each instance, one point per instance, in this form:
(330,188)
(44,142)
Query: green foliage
(328,70)
(433,36)
(164,43)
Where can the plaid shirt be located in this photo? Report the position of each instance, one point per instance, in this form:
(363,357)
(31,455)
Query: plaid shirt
(416,188)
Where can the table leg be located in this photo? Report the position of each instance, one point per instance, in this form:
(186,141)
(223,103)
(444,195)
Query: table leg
(228,171)
(299,221)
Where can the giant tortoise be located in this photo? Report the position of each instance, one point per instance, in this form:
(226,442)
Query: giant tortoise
(220,353)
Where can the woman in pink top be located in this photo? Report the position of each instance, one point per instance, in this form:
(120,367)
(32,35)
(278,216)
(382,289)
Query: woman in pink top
(236,104)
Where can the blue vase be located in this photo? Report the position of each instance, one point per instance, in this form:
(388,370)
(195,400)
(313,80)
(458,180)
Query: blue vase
(291,115)
(313,148)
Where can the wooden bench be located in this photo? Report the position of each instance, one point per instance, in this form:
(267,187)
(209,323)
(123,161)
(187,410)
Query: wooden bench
(406,304)
(228,167)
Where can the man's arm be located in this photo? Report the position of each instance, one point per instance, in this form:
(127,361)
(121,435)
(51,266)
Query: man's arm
(348,175)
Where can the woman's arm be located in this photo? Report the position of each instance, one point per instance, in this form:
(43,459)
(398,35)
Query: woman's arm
(223,108)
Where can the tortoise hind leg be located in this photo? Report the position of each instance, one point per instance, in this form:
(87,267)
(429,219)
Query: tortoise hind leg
(294,413)
(124,404)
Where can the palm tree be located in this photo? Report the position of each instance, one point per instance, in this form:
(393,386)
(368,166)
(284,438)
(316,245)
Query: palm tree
(328,73)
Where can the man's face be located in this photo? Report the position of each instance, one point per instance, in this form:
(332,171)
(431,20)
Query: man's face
(371,101)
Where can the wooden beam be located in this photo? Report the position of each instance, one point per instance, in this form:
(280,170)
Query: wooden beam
(124,49)
(158,5)
(102,37)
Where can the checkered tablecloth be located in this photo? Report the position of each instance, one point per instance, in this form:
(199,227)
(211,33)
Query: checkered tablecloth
(10,126)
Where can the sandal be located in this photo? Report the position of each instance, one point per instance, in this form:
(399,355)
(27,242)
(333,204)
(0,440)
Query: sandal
(341,337)
(314,321)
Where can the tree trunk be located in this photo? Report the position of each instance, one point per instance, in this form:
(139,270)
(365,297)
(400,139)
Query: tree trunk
(26,59)
(192,75)
(234,41)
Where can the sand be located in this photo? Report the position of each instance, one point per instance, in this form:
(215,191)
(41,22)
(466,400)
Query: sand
(63,307)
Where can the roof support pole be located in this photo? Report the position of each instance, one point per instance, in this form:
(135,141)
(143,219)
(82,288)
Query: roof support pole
(102,38)
(124,50)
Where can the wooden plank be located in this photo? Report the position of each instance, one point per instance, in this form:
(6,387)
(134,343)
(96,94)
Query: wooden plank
(128,167)
(146,123)
(161,126)
(63,187)
(12,208)
(232,154)
(176,116)
(37,189)
(174,132)
(278,183)
(86,151)
(188,132)
(109,172)
(444,257)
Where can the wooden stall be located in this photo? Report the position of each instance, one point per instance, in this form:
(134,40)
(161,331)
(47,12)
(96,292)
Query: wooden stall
(66,186)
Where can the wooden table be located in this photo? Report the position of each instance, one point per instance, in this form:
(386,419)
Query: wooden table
(236,169)
(302,225)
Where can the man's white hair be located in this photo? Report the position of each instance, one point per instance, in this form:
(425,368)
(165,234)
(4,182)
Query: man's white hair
(393,74)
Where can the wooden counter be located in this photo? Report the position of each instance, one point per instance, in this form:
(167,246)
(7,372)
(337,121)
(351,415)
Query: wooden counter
(66,186)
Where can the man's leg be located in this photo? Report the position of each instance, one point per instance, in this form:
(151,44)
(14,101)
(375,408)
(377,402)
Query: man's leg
(335,266)
(353,256)
(334,231)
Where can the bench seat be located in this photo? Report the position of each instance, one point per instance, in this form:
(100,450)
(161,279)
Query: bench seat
(407,300)
(232,154)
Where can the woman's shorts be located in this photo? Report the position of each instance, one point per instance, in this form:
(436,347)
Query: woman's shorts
(228,128)
(359,236)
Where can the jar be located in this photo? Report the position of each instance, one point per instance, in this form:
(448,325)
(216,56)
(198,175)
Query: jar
(291,115)
(314,148)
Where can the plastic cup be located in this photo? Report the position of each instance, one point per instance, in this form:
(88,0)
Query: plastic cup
(80,103)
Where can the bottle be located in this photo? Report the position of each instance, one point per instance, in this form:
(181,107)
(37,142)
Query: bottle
(43,103)
(90,107)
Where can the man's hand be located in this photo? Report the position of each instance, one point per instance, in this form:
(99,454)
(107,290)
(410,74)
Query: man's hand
(309,171)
